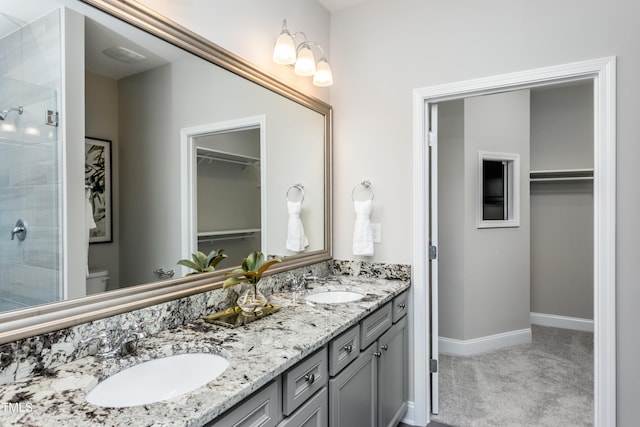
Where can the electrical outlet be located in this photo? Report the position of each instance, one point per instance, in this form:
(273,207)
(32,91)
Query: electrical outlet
(376,232)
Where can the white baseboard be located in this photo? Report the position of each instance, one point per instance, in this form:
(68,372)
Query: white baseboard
(482,344)
(409,416)
(563,322)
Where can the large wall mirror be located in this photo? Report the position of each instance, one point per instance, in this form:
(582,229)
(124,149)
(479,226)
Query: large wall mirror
(126,144)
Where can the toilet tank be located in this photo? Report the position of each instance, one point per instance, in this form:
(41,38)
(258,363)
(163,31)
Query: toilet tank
(97,281)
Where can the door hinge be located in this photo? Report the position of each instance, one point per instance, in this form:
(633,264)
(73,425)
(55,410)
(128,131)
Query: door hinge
(433,252)
(52,118)
(433,366)
(430,138)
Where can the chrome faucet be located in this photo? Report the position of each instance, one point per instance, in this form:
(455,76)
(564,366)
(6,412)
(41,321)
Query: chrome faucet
(306,278)
(298,285)
(122,343)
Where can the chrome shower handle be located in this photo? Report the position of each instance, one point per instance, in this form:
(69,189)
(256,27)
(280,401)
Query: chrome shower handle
(19,230)
(162,272)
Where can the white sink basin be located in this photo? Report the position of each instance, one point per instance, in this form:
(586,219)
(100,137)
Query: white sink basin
(334,297)
(157,380)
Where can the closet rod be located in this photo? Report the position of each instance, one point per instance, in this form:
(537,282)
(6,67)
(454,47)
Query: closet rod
(237,162)
(219,238)
(561,175)
(212,236)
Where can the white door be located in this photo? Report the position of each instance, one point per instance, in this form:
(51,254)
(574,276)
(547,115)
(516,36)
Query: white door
(432,252)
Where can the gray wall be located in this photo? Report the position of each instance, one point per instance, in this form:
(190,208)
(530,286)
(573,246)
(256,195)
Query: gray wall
(484,273)
(451,212)
(496,259)
(562,212)
(149,171)
(101,121)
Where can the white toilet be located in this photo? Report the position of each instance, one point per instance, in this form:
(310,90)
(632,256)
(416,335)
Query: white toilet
(97,281)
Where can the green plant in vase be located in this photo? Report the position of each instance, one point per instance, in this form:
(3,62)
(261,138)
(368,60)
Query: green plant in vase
(203,263)
(251,301)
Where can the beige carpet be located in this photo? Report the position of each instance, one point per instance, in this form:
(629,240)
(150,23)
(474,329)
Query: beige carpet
(546,383)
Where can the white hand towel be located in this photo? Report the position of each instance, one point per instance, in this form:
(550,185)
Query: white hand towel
(89,221)
(362,236)
(296,239)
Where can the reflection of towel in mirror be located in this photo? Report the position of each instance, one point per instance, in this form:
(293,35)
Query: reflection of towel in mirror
(89,221)
(296,239)
(362,236)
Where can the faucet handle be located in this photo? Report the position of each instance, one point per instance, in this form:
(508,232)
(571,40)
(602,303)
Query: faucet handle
(293,281)
(308,277)
(103,342)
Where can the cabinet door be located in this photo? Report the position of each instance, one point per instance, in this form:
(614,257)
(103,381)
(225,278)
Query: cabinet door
(353,393)
(392,374)
(313,413)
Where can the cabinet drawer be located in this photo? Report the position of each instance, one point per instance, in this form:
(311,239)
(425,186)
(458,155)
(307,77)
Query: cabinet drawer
(313,413)
(400,306)
(344,349)
(262,409)
(303,380)
(374,325)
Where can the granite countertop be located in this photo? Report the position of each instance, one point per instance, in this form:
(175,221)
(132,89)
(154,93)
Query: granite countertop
(257,352)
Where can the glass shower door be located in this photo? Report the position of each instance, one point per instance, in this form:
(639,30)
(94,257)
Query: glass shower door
(30,171)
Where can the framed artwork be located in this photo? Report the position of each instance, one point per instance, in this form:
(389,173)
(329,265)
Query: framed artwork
(97,180)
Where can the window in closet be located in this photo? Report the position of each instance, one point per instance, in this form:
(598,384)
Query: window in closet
(498,190)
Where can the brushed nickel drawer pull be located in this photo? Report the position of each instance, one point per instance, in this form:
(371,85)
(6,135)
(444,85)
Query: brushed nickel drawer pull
(310,378)
(348,348)
(385,347)
(377,354)
(403,305)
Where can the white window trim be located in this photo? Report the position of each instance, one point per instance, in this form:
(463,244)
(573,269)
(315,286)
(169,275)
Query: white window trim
(513,204)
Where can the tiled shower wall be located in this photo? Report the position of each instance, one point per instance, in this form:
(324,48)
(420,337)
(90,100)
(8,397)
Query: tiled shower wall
(30,183)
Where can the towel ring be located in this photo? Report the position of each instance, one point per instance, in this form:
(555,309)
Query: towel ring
(298,187)
(366,184)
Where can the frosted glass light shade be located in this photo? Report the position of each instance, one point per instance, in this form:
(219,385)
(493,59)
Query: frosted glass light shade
(306,62)
(284,52)
(323,76)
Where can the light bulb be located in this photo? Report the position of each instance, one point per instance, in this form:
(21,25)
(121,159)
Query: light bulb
(323,76)
(306,62)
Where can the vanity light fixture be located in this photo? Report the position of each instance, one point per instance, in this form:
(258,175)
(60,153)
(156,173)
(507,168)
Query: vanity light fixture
(286,52)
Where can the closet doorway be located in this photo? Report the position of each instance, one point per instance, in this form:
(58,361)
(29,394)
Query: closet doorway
(425,291)
(223,178)
(515,256)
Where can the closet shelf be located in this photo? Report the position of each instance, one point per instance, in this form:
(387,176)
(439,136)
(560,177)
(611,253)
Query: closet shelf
(561,175)
(212,236)
(223,156)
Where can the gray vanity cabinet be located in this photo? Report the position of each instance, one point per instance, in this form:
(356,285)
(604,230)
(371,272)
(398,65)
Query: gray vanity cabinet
(392,374)
(358,379)
(372,390)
